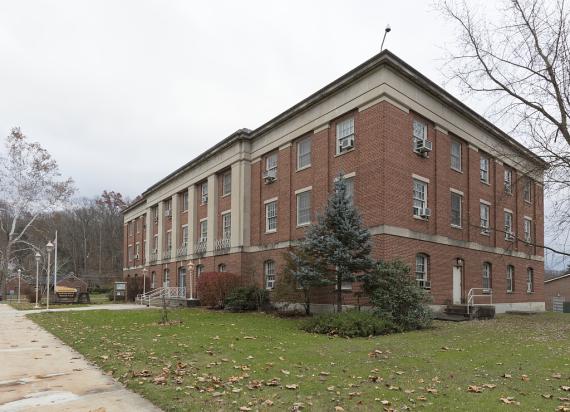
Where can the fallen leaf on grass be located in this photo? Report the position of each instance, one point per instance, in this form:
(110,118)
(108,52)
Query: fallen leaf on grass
(563,408)
(244,408)
(507,375)
(489,385)
(524,378)
(557,375)
(474,389)
(509,400)
(547,396)
(431,390)
(565,388)
(292,386)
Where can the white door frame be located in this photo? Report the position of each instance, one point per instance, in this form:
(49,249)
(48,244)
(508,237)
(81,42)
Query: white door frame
(456,287)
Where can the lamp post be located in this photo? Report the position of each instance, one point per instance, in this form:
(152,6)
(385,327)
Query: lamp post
(387,30)
(49,249)
(145,271)
(19,277)
(190,267)
(38,257)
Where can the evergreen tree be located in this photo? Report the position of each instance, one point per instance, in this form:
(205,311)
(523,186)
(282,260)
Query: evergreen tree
(306,272)
(339,241)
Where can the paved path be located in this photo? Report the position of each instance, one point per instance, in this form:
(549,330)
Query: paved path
(40,373)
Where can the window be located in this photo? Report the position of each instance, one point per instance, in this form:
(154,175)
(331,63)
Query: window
(419,131)
(130,252)
(227,225)
(508,181)
(456,203)
(345,135)
(456,155)
(422,271)
(155,214)
(420,197)
(484,210)
(349,192)
(529,280)
(269,271)
(199,270)
(527,224)
(185,235)
(185,201)
(509,235)
(181,277)
(130,228)
(168,240)
(527,190)
(510,279)
(137,250)
(203,230)
(222,267)
(153,280)
(226,183)
(487,275)
(204,193)
(304,208)
(484,169)
(168,207)
(271,216)
(166,280)
(304,153)
(155,243)
(271,162)
(138,225)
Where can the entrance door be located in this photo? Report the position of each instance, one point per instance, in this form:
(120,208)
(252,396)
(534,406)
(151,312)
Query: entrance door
(456,285)
(182,277)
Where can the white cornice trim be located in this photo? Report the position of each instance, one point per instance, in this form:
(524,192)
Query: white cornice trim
(321,128)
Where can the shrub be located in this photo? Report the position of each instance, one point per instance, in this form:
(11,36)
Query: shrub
(395,295)
(349,324)
(247,298)
(214,287)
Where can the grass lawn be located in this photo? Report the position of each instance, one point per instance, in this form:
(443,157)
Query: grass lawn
(222,361)
(96,299)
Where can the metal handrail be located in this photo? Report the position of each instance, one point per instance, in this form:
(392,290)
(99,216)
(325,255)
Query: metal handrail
(485,292)
(163,292)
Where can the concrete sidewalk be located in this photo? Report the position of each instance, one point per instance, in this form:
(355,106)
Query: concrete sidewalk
(40,373)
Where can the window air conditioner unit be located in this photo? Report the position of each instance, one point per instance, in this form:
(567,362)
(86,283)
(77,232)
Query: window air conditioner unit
(137,256)
(509,236)
(423,146)
(484,230)
(270,175)
(425,212)
(527,239)
(167,212)
(204,199)
(154,250)
(346,143)
(529,287)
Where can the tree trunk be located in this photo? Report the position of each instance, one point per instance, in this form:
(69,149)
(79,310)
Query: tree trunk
(338,292)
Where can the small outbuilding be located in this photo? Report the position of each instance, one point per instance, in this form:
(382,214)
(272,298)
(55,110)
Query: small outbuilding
(556,291)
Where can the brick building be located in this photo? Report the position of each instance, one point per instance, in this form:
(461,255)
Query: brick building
(437,185)
(558,287)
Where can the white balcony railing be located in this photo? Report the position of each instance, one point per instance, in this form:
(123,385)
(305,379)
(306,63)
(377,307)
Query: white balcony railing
(222,244)
(153,256)
(182,251)
(201,246)
(167,254)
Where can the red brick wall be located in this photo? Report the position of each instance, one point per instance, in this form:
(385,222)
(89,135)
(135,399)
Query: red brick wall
(560,287)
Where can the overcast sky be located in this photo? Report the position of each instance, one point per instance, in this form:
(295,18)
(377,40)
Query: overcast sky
(124,92)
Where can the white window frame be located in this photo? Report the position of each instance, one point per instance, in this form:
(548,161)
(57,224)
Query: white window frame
(527,190)
(508,181)
(185,198)
(484,166)
(419,132)
(130,251)
(185,235)
(529,280)
(222,267)
(227,225)
(168,207)
(155,242)
(138,250)
(130,228)
(204,193)
(455,156)
(169,240)
(166,278)
(226,183)
(304,153)
(153,280)
(155,214)
(345,130)
(422,262)
(199,270)
(269,273)
(487,275)
(459,195)
(484,221)
(419,202)
(271,216)
(271,162)
(508,216)
(305,213)
(527,229)
(510,278)
(203,230)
